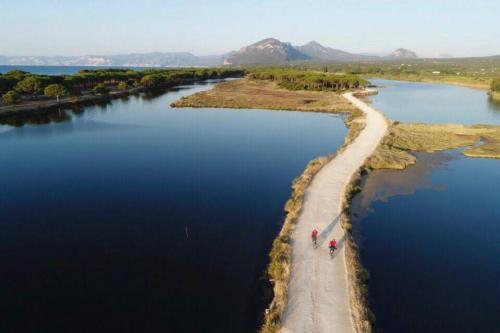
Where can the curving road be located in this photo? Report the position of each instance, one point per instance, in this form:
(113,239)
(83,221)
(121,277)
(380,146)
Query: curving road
(317,296)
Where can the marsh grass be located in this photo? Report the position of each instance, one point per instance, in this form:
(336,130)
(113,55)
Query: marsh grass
(403,138)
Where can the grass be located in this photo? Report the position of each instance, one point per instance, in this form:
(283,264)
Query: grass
(358,276)
(495,95)
(394,151)
(260,94)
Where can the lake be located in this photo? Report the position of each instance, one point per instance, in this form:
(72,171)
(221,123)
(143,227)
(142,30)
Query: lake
(134,216)
(434,103)
(430,235)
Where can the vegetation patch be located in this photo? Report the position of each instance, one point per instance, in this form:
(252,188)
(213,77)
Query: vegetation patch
(394,151)
(264,94)
(297,79)
(34,92)
(357,275)
(471,72)
(495,89)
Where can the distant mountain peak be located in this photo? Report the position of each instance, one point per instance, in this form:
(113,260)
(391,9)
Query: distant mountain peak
(266,51)
(313,43)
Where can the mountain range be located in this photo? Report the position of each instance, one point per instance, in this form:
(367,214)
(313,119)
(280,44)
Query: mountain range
(266,51)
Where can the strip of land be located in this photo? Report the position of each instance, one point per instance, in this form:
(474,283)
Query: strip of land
(456,80)
(263,94)
(395,149)
(318,298)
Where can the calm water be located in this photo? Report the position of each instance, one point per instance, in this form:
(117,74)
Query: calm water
(133,216)
(435,103)
(430,238)
(56,70)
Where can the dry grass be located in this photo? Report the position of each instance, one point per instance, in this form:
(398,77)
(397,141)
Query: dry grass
(393,153)
(495,95)
(261,94)
(357,275)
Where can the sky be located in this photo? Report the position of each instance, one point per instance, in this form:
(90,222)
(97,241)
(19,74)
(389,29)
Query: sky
(81,27)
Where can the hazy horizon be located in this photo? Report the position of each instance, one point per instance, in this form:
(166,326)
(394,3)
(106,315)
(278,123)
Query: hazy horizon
(431,29)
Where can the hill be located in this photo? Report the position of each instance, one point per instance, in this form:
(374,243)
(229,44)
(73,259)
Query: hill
(267,51)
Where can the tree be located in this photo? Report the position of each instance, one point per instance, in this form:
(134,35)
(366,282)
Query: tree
(101,89)
(10,97)
(495,84)
(122,85)
(55,90)
(151,81)
(29,85)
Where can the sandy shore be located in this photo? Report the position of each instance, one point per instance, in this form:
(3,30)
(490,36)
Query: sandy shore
(318,290)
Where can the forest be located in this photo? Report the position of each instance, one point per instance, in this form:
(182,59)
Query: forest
(19,85)
(300,79)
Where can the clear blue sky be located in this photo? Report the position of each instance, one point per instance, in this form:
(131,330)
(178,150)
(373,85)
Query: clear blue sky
(78,27)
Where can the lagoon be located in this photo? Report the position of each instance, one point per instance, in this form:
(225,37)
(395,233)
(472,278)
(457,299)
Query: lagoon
(434,103)
(134,216)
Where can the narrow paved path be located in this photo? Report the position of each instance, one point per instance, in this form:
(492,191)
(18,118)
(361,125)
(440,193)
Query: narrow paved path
(317,296)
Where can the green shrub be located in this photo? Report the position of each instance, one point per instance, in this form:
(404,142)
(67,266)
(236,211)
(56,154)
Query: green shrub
(30,85)
(55,90)
(495,84)
(10,97)
(299,79)
(101,89)
(122,85)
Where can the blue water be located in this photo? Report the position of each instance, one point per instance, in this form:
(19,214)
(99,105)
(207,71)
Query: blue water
(136,217)
(430,237)
(434,103)
(56,70)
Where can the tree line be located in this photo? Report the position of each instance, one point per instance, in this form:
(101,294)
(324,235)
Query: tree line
(299,79)
(17,84)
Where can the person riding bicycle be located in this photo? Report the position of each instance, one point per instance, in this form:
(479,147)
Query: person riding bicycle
(314,235)
(332,245)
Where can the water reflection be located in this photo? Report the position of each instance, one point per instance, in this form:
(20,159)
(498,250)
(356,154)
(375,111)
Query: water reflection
(434,103)
(37,118)
(380,185)
(494,104)
(60,115)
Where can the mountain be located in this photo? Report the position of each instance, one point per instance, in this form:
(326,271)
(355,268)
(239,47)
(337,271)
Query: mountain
(266,51)
(317,51)
(153,59)
(402,54)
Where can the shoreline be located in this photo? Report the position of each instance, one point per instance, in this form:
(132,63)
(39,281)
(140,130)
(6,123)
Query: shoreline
(28,107)
(483,87)
(87,99)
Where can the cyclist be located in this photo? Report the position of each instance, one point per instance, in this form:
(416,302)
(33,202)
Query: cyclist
(314,236)
(332,246)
